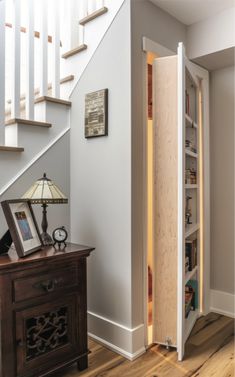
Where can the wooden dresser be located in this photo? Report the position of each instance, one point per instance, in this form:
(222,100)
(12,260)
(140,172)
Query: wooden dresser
(43,311)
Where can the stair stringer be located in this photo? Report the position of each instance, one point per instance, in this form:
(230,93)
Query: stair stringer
(54,160)
(35,140)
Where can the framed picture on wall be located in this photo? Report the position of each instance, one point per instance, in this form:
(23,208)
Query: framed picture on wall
(96,113)
(22,226)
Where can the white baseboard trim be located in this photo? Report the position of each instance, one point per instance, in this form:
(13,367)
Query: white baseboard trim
(128,342)
(33,160)
(120,351)
(222,303)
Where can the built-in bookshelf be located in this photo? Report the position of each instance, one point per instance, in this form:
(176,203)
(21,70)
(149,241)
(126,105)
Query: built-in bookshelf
(177,204)
(192,225)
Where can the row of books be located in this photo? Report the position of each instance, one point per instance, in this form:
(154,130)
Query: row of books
(190,176)
(187,102)
(190,254)
(191,297)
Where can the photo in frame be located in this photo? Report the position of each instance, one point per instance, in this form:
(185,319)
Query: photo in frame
(22,226)
(96,113)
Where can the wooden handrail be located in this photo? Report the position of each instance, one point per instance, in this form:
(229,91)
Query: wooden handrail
(36,33)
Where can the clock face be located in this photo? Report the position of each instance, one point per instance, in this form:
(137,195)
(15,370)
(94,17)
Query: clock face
(60,235)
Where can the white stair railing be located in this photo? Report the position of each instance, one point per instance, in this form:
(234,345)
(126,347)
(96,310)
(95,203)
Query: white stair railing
(30,50)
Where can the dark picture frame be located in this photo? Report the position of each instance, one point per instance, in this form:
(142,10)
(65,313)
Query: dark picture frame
(22,226)
(96,114)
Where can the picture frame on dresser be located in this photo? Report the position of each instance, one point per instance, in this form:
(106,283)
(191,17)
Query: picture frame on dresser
(22,226)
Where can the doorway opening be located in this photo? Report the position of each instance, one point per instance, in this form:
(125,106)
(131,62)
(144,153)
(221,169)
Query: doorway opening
(150,58)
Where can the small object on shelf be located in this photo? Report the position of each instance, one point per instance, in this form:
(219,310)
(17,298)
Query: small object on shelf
(187,269)
(189,145)
(188,211)
(191,176)
(59,236)
(5,242)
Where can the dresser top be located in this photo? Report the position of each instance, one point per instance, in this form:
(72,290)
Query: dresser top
(47,253)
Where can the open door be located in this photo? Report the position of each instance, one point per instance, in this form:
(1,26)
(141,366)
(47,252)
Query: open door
(179,118)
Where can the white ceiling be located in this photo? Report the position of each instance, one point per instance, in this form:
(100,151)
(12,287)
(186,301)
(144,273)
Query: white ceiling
(217,60)
(191,11)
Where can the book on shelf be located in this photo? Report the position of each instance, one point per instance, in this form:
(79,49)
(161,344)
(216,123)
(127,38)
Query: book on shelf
(191,252)
(191,297)
(190,176)
(189,294)
(186,102)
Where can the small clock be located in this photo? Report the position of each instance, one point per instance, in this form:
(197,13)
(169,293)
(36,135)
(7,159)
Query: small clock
(59,236)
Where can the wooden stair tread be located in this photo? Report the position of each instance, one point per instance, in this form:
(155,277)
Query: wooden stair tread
(54,100)
(4,148)
(28,122)
(37,90)
(74,51)
(93,15)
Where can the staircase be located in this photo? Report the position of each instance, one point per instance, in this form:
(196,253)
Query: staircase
(45,46)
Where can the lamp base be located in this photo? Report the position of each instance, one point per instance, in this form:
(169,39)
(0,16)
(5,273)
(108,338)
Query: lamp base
(46,239)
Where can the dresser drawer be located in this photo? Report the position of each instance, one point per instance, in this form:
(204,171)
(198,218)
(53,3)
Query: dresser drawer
(45,283)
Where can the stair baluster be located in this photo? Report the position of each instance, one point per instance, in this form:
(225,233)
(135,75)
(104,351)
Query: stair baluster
(44,48)
(29,105)
(56,51)
(16,55)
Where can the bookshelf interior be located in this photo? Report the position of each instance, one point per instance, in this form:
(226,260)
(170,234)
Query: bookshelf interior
(177,203)
(192,217)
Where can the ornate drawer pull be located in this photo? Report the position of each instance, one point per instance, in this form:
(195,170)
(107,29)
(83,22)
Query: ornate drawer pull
(48,285)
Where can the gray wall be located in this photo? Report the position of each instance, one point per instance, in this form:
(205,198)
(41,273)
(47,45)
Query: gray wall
(222,179)
(55,162)
(101,176)
(149,21)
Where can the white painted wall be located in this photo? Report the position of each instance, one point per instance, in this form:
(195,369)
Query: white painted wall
(211,35)
(56,164)
(101,185)
(222,179)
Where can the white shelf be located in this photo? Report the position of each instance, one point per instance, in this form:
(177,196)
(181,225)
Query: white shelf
(190,322)
(189,186)
(190,229)
(190,153)
(189,122)
(190,274)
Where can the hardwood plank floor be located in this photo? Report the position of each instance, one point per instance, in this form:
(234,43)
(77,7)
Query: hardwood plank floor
(209,353)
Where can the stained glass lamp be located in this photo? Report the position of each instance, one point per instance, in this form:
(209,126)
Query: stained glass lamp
(45,192)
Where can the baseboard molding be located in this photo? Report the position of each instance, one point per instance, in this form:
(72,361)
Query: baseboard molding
(128,342)
(222,303)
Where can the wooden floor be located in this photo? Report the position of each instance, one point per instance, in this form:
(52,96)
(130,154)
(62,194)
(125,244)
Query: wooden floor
(209,353)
